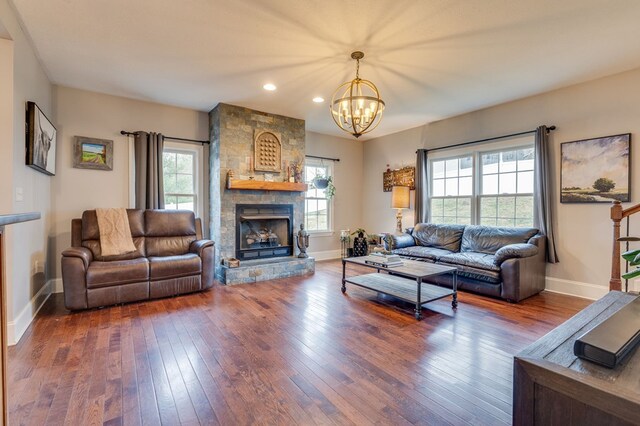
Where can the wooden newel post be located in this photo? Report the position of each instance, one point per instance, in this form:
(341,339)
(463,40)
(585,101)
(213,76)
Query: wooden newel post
(615,283)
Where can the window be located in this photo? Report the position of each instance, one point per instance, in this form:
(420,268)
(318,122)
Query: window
(317,208)
(506,193)
(489,187)
(452,189)
(179,168)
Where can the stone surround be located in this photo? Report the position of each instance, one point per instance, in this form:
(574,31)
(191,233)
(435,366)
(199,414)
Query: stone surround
(231,131)
(253,271)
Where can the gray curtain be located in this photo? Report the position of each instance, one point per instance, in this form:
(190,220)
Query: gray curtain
(148,163)
(543,214)
(422,188)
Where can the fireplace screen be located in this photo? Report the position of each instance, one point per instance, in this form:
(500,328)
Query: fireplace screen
(264,231)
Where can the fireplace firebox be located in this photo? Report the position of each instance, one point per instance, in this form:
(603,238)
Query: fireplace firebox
(264,230)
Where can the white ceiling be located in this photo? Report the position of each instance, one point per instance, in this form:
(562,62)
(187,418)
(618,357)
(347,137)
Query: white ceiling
(430,59)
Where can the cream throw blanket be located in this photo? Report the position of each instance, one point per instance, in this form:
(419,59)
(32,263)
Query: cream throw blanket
(115,234)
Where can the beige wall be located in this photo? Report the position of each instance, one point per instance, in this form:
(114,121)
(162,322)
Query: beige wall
(347,202)
(27,272)
(397,150)
(83,113)
(601,107)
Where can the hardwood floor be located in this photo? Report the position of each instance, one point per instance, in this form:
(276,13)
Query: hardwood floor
(290,351)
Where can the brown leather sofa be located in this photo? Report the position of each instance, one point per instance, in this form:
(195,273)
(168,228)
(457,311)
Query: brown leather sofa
(171,258)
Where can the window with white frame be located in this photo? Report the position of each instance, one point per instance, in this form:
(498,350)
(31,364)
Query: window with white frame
(487,186)
(506,188)
(317,207)
(181,179)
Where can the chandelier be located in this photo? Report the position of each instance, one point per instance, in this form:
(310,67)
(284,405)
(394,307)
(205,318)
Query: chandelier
(356,106)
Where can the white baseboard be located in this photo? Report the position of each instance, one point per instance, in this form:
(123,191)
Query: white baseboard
(326,255)
(57,285)
(575,288)
(17,327)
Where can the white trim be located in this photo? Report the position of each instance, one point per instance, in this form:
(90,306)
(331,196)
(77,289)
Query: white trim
(575,288)
(321,233)
(17,327)
(325,255)
(57,285)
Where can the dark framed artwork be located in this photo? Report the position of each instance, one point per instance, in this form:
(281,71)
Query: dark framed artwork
(41,141)
(92,153)
(596,170)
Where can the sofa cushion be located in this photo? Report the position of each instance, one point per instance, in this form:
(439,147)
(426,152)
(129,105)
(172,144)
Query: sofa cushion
(473,259)
(116,272)
(168,233)
(174,266)
(446,237)
(514,251)
(489,239)
(91,235)
(421,253)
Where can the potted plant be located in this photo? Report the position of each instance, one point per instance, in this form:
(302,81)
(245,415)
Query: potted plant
(326,183)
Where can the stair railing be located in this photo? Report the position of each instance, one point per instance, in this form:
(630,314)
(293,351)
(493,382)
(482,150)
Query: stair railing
(617,214)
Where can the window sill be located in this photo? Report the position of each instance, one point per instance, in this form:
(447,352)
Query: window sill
(321,233)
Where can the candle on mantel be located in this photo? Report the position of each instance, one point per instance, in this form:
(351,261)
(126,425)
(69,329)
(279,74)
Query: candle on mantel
(250,164)
(247,163)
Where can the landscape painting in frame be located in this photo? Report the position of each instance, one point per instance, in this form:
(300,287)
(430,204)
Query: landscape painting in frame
(596,170)
(41,141)
(92,153)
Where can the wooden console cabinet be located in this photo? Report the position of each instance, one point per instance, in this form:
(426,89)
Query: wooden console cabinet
(552,386)
(6,220)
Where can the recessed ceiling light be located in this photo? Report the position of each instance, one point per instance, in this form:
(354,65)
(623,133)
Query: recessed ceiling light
(270,87)
(318,99)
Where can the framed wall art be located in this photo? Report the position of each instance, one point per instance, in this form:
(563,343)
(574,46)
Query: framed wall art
(596,170)
(405,176)
(40,140)
(91,153)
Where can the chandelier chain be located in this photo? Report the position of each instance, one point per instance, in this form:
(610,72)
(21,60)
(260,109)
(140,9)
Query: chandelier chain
(357,69)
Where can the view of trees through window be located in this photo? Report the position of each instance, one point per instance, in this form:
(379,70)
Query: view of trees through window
(178,169)
(317,207)
(500,193)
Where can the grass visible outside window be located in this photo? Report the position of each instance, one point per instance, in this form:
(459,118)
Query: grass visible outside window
(179,174)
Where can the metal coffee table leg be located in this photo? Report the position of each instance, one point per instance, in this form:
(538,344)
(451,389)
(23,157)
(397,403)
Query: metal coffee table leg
(344,287)
(418,311)
(454,303)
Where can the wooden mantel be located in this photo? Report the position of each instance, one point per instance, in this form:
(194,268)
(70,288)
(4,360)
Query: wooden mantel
(261,185)
(7,219)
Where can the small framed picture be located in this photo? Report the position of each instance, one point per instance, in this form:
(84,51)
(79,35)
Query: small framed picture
(91,153)
(41,141)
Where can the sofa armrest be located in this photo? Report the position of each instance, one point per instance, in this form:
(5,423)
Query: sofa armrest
(198,246)
(398,241)
(514,251)
(80,252)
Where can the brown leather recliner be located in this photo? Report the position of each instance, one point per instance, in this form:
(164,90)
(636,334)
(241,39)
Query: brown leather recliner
(171,258)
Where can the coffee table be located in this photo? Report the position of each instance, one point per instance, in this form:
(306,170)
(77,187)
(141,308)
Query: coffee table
(404,282)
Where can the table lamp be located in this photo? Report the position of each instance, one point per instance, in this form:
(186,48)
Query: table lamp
(399,200)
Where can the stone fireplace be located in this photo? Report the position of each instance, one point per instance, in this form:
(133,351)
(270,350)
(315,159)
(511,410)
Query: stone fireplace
(264,230)
(232,132)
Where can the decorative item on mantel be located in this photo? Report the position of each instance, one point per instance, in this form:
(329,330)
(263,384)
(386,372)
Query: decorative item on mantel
(267,151)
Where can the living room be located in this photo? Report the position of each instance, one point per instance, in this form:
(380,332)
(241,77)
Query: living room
(473,73)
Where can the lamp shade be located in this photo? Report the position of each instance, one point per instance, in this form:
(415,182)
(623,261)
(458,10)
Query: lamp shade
(400,197)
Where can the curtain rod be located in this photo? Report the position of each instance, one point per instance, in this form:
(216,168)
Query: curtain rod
(550,128)
(124,132)
(322,158)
